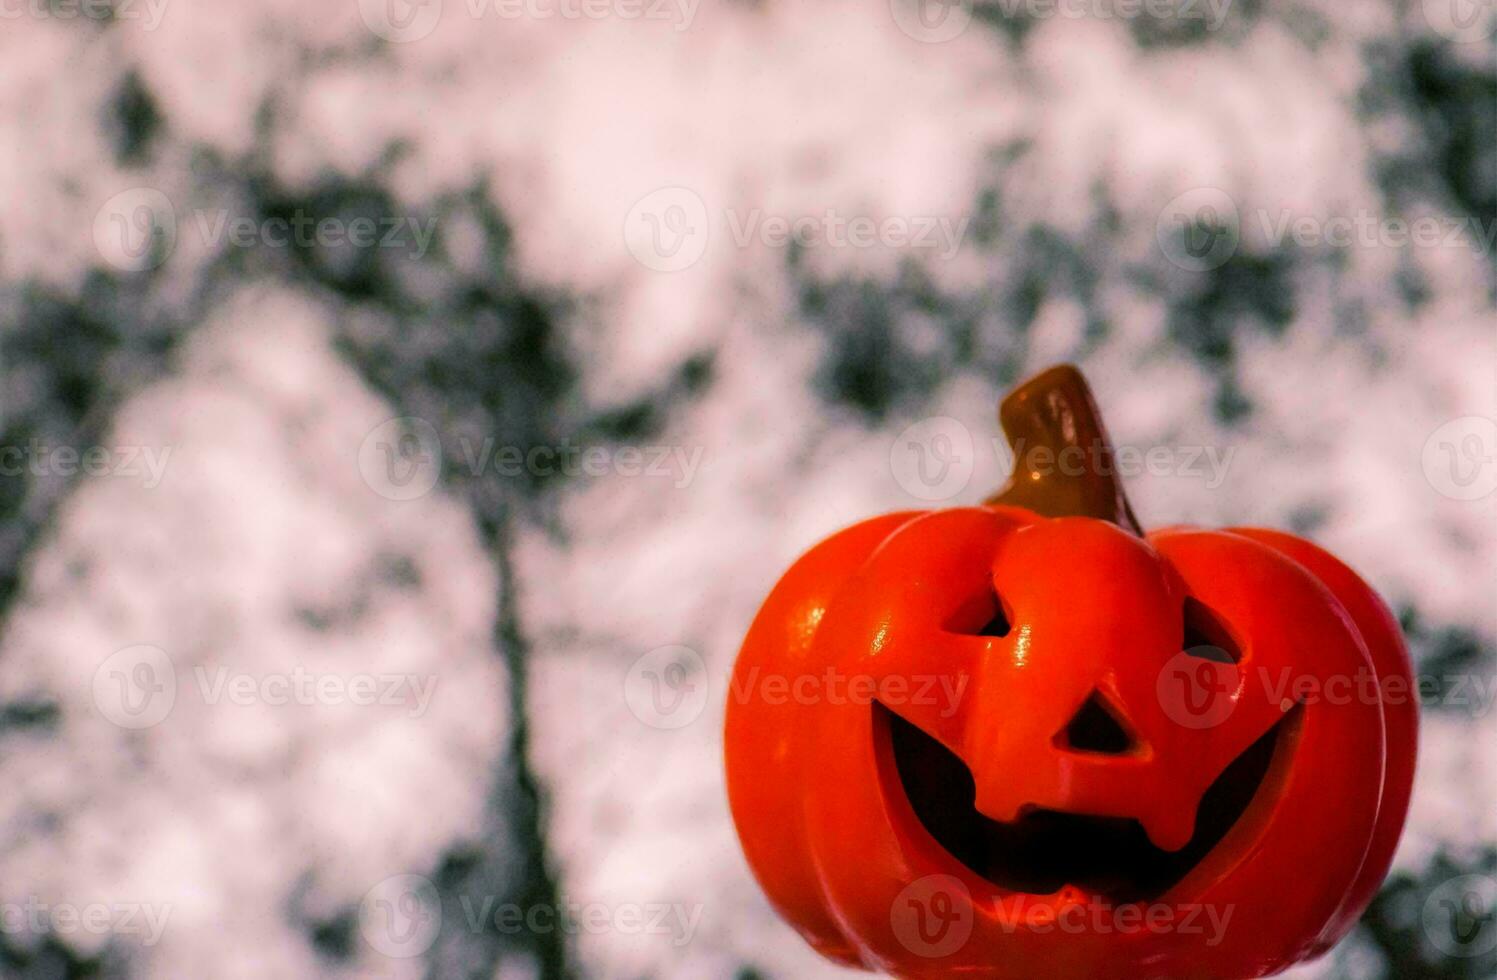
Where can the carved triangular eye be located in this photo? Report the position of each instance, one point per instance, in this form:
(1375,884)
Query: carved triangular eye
(981,616)
(1097,728)
(1207,637)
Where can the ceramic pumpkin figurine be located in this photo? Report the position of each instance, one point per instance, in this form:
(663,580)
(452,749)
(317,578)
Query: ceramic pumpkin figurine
(1027,739)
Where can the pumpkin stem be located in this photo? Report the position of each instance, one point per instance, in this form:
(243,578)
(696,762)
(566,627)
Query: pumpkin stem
(1063,461)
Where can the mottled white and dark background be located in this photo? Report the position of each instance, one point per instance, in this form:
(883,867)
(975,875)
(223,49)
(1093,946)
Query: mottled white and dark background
(407,403)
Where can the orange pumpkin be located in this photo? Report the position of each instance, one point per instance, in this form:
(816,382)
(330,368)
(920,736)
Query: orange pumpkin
(1025,739)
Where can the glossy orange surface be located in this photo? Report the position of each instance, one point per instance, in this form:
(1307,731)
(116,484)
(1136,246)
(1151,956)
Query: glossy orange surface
(984,742)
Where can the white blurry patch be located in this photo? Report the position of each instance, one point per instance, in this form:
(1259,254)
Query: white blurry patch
(51,144)
(759,110)
(640,814)
(261,553)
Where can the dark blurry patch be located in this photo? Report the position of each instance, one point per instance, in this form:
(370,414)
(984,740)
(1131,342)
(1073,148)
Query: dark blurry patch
(1413,286)
(874,362)
(1308,518)
(29,716)
(640,419)
(333,938)
(46,958)
(316,620)
(1456,105)
(748,973)
(331,933)
(1456,667)
(134,121)
(397,571)
(988,219)
(1008,17)
(387,571)
(1435,925)
(65,363)
(448,334)
(1209,311)
(480,897)
(481,357)
(1195,22)
(1450,102)
(372,237)
(891,343)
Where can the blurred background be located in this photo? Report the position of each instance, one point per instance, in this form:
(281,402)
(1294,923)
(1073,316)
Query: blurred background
(407,403)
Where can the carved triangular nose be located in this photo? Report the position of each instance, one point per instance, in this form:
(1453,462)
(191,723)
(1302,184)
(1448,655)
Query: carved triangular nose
(1098,727)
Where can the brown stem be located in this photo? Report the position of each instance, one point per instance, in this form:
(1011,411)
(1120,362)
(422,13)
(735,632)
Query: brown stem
(1063,462)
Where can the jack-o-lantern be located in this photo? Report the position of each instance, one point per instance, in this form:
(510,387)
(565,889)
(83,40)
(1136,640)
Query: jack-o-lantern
(1025,739)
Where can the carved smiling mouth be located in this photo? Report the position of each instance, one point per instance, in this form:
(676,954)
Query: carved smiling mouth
(1045,850)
